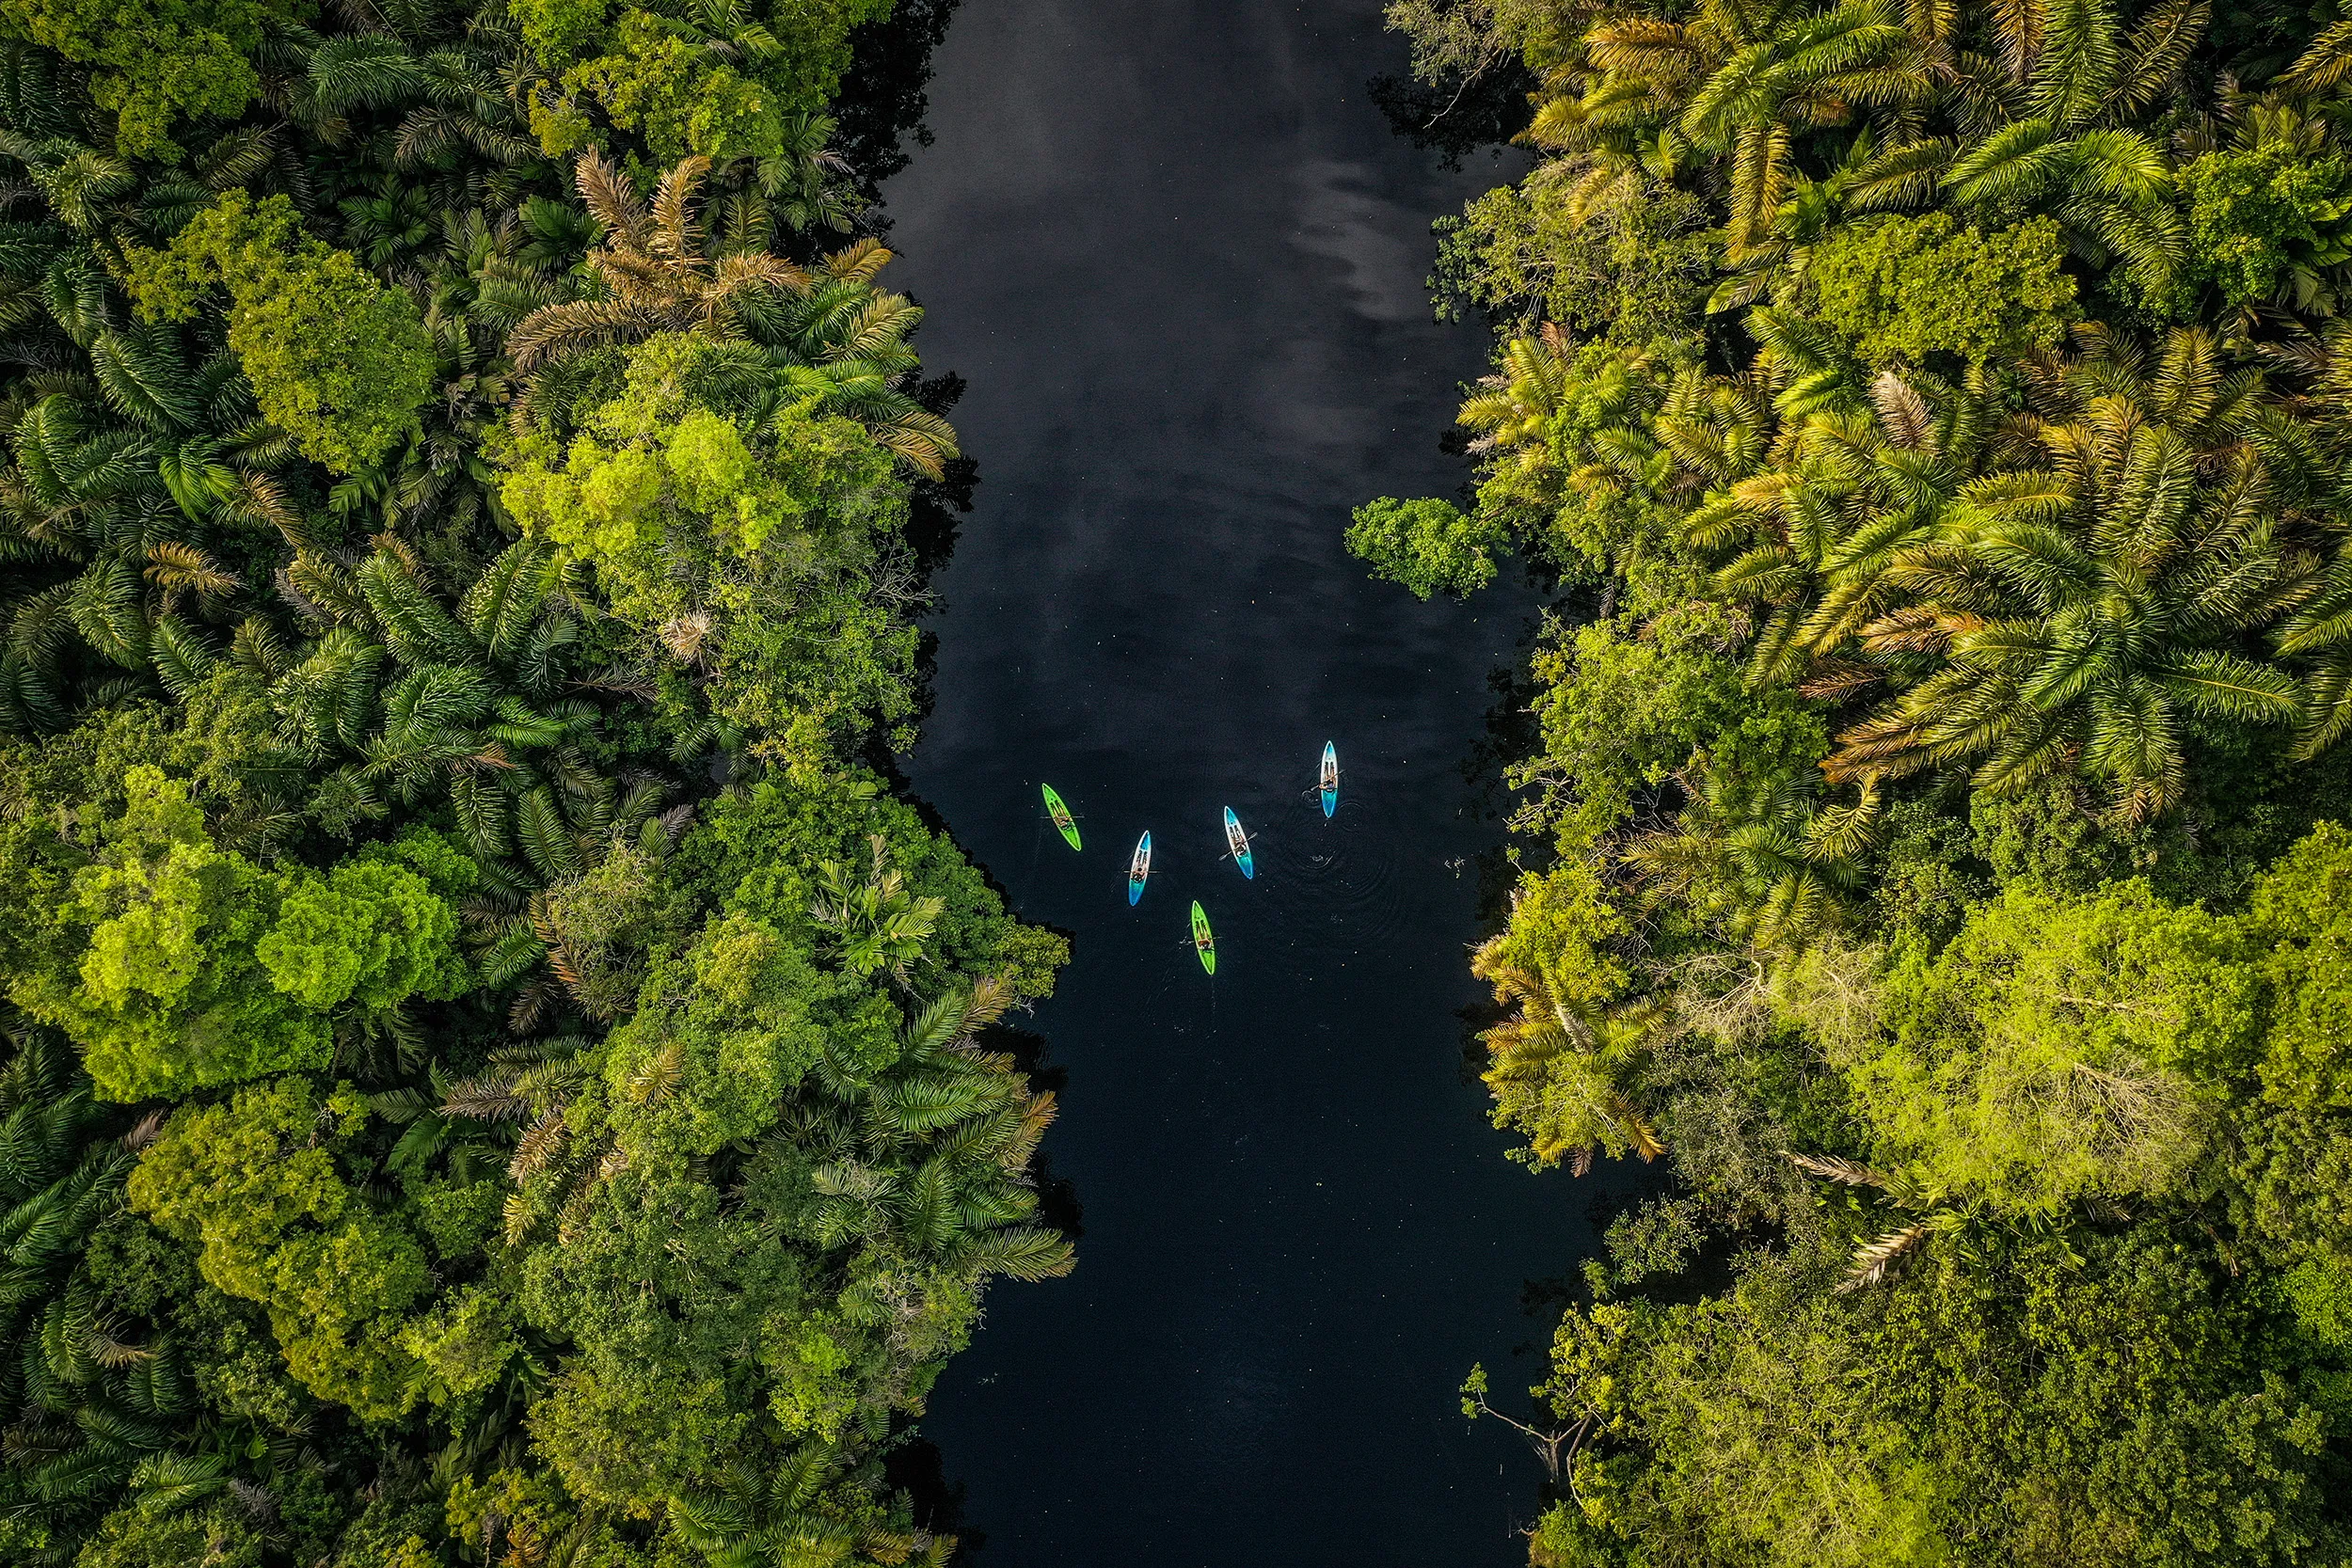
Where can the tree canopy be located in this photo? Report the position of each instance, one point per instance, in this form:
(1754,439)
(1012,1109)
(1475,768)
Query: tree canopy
(490,1072)
(1929,425)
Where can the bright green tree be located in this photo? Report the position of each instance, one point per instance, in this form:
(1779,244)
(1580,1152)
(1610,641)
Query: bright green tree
(737,547)
(181,965)
(370,932)
(254,1185)
(163,991)
(155,63)
(1916,289)
(2048,1053)
(1428,545)
(337,362)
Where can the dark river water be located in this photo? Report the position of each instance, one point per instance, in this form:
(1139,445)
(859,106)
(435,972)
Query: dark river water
(1178,257)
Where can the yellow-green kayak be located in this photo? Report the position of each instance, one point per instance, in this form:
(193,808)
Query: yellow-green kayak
(1062,819)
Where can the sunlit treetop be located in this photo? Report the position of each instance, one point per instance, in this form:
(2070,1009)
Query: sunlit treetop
(156,63)
(337,360)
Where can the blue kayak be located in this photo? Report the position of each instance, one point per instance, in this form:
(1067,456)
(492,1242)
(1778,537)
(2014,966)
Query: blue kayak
(1330,780)
(1138,869)
(1238,843)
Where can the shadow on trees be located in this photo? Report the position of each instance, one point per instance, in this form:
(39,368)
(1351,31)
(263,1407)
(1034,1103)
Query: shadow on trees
(1458,113)
(881,104)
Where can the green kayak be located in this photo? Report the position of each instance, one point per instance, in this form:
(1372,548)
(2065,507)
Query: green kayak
(1203,943)
(1062,819)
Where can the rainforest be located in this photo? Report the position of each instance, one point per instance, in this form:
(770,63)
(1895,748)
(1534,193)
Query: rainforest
(492,1073)
(1932,422)
(1809,1023)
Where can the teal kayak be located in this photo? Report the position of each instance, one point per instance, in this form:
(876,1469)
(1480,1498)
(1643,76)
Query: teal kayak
(1237,842)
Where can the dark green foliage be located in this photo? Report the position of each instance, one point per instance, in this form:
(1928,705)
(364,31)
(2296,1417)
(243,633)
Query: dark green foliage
(88,1396)
(1942,767)
(489,1078)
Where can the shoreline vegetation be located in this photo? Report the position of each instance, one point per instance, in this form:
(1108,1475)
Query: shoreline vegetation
(1934,421)
(489,1073)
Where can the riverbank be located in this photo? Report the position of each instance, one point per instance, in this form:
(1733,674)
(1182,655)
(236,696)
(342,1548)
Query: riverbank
(491,1075)
(1931,839)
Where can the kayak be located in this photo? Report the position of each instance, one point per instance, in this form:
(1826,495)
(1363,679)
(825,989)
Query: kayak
(1139,868)
(1203,943)
(1238,842)
(1060,813)
(1331,779)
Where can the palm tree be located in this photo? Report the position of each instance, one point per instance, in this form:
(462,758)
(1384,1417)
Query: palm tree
(140,484)
(2318,634)
(1791,116)
(1556,1067)
(877,922)
(2079,630)
(1851,487)
(657,275)
(85,1395)
(803,181)
(1776,870)
(1927,1212)
(1736,83)
(2056,588)
(783,1520)
(1513,410)
(938,1166)
(484,703)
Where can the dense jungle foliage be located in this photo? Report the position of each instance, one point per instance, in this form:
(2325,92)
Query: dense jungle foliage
(1937,418)
(489,1073)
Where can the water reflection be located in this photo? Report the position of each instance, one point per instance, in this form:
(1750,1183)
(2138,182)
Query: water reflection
(1178,256)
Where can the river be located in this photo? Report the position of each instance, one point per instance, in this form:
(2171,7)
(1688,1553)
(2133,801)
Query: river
(1178,257)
